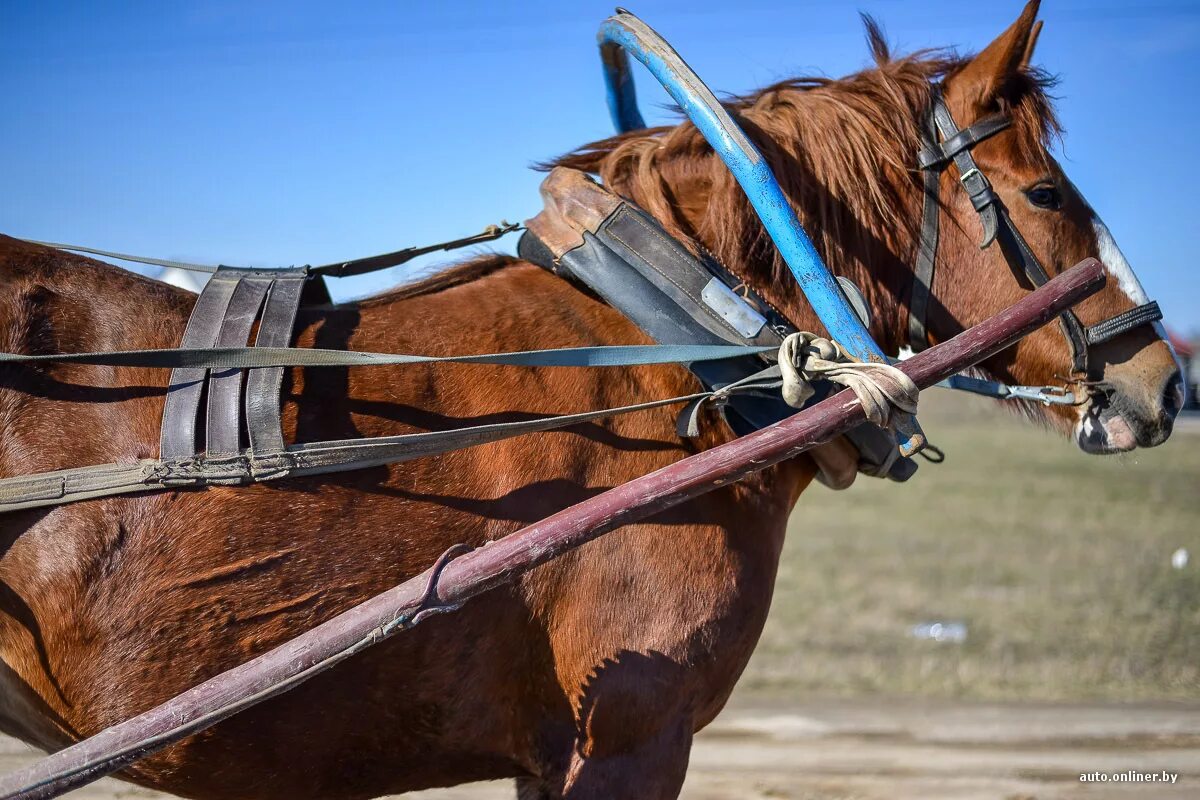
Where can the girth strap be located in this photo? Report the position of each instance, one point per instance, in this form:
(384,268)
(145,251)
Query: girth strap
(223,317)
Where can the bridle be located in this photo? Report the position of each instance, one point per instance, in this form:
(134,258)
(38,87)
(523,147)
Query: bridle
(946,143)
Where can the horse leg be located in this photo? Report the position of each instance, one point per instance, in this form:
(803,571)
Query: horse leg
(653,770)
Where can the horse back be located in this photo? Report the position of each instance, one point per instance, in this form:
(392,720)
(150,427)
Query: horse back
(115,605)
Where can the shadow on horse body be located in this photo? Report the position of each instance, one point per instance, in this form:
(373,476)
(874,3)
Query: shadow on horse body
(588,677)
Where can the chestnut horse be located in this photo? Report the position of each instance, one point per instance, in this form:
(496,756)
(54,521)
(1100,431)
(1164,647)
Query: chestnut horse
(588,677)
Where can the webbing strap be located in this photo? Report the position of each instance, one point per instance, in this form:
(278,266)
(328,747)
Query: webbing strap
(224,312)
(103,480)
(201,358)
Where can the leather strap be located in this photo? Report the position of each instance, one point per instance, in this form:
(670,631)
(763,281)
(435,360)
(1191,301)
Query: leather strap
(338,269)
(931,212)
(182,407)
(263,385)
(223,428)
(317,458)
(955,147)
(1145,314)
(973,181)
(937,155)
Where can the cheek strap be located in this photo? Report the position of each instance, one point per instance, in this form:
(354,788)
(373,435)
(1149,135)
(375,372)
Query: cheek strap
(945,144)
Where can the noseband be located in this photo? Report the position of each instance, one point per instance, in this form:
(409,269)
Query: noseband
(946,143)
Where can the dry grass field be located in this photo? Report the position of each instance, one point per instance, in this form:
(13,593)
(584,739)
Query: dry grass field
(1059,563)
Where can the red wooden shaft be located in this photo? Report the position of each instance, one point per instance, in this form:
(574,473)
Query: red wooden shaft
(475,572)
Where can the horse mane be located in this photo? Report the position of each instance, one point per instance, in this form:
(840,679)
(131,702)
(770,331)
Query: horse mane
(842,149)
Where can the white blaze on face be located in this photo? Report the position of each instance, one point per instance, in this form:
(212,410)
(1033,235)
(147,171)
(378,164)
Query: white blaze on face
(1115,261)
(1118,266)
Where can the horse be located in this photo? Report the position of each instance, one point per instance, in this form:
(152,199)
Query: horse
(589,676)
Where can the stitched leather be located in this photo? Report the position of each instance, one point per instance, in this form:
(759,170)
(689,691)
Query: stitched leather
(1113,327)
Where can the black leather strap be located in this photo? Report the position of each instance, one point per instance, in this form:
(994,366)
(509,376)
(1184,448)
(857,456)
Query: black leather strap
(973,181)
(1145,314)
(937,155)
(955,147)
(263,385)
(931,212)
(186,388)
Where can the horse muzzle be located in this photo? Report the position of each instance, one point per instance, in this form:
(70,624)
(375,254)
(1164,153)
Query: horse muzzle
(1122,415)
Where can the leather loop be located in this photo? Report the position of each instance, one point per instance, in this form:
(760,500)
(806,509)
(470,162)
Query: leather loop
(223,429)
(182,407)
(263,385)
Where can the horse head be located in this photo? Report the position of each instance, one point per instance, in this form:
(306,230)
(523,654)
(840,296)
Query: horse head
(1130,386)
(852,155)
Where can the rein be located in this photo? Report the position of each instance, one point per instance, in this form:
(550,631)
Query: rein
(946,144)
(338,269)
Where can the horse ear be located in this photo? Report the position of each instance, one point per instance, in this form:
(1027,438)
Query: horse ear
(985,76)
(1027,59)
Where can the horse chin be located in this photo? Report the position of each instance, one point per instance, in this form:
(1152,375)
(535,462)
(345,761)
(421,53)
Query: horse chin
(1101,430)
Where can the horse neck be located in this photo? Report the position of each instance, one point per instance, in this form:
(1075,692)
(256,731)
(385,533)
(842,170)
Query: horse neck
(864,230)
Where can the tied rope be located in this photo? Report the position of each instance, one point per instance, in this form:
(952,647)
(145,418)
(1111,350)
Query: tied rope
(805,357)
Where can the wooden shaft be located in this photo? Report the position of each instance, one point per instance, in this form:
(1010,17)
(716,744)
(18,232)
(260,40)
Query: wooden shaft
(468,575)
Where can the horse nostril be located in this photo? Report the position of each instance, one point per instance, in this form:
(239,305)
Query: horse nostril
(1172,400)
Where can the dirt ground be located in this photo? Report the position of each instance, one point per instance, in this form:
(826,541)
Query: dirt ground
(896,750)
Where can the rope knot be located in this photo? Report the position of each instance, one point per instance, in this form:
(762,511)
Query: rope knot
(805,357)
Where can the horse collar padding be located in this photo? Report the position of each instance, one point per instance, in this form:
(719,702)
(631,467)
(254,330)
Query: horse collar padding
(613,249)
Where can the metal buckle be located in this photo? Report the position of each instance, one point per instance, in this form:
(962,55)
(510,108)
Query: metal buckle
(971,173)
(1046,395)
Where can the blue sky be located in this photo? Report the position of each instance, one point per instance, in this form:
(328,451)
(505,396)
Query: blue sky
(276,133)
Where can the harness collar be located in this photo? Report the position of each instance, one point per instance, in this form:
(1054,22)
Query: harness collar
(946,143)
(613,249)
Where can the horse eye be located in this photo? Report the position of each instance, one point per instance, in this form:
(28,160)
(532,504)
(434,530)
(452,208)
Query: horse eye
(1045,197)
